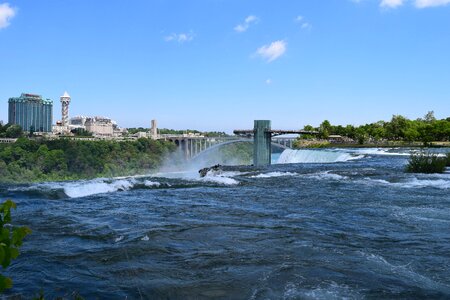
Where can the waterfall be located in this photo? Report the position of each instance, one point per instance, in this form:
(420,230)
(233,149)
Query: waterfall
(314,156)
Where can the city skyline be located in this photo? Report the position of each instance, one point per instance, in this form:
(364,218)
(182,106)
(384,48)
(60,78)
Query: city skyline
(218,65)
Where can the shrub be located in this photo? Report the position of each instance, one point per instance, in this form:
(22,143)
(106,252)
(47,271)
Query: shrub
(426,163)
(10,241)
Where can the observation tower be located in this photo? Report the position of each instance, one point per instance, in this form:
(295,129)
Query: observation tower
(65,101)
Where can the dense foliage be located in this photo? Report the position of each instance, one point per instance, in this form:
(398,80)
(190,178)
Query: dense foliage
(40,160)
(137,129)
(10,131)
(80,132)
(10,240)
(237,153)
(399,128)
(426,163)
(230,154)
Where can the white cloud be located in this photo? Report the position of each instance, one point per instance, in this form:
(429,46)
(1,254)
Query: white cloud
(417,3)
(303,24)
(298,19)
(306,25)
(273,51)
(268,81)
(247,22)
(391,3)
(431,3)
(6,14)
(251,19)
(179,37)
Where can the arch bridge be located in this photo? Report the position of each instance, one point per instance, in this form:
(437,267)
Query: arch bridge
(262,136)
(194,146)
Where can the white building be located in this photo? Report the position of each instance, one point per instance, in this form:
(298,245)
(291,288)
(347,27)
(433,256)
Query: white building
(98,126)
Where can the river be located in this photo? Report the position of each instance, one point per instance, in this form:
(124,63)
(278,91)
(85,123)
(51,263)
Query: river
(325,224)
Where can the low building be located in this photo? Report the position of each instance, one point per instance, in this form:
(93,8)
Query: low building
(141,134)
(98,126)
(77,122)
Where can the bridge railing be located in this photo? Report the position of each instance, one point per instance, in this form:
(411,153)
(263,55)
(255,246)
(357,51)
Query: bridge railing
(7,140)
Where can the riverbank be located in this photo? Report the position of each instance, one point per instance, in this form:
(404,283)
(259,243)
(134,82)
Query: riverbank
(29,160)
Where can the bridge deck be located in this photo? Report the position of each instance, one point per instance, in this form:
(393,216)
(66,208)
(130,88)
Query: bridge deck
(275,132)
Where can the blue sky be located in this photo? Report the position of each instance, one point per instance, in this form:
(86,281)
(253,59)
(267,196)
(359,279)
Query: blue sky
(220,64)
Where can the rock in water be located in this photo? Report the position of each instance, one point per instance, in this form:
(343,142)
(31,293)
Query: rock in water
(205,171)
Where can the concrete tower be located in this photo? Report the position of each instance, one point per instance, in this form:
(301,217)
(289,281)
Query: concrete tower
(262,143)
(154,130)
(65,101)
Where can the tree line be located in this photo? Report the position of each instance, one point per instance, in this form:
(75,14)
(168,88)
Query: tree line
(29,160)
(399,128)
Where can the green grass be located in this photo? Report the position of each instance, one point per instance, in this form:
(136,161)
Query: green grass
(427,163)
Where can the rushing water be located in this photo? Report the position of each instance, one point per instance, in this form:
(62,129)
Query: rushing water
(346,224)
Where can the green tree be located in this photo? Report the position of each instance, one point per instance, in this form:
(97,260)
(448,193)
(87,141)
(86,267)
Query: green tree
(425,133)
(307,136)
(14,131)
(441,130)
(26,144)
(396,128)
(429,117)
(81,132)
(325,129)
(411,134)
(308,128)
(3,129)
(350,131)
(10,241)
(361,135)
(4,173)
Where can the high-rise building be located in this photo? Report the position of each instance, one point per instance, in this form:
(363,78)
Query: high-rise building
(65,101)
(31,112)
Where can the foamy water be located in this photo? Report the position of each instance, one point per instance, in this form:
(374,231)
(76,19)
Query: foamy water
(273,174)
(152,183)
(315,156)
(326,175)
(379,151)
(219,179)
(86,188)
(412,183)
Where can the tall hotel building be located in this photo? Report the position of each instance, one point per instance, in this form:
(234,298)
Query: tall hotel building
(31,112)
